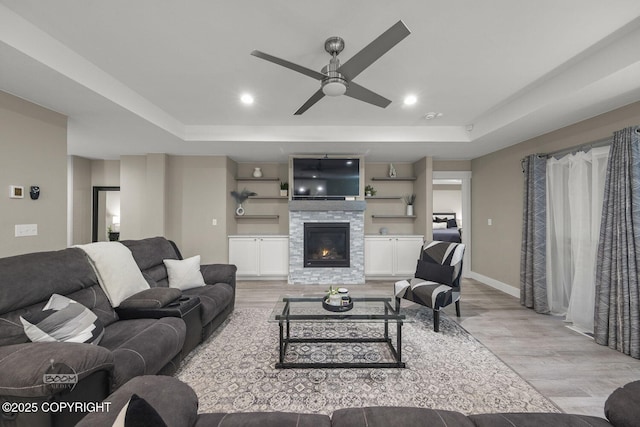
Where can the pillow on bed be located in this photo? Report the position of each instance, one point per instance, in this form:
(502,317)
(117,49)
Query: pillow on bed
(452,223)
(439,219)
(439,225)
(434,272)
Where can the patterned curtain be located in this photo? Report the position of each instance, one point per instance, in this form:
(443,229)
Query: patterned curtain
(617,311)
(533,280)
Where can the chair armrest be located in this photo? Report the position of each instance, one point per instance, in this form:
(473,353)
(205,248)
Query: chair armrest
(219,273)
(23,366)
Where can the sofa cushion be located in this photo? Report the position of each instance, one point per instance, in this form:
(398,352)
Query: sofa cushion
(175,402)
(143,346)
(532,419)
(622,407)
(149,255)
(42,274)
(263,419)
(63,319)
(381,416)
(184,273)
(213,299)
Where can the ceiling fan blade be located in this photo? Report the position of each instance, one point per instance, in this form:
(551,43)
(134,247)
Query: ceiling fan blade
(295,67)
(363,94)
(314,98)
(374,50)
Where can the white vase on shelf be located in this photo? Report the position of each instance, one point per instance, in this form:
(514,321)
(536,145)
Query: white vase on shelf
(257,173)
(409,210)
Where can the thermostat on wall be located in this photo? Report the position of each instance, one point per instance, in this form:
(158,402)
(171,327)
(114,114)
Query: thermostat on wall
(16,192)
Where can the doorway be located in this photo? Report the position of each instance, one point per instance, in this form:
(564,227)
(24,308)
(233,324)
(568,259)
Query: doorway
(105,218)
(460,180)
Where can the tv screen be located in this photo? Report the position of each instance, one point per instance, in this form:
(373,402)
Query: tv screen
(326,178)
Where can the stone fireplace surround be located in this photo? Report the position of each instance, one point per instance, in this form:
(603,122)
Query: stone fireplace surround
(301,211)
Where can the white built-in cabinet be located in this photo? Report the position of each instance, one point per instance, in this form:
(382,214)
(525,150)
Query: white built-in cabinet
(391,255)
(257,256)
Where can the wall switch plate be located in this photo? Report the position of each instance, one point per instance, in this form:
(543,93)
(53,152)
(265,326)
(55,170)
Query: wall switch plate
(24,230)
(214,221)
(489,221)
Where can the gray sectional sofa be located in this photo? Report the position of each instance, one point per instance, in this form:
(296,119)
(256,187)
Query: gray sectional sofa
(140,341)
(177,405)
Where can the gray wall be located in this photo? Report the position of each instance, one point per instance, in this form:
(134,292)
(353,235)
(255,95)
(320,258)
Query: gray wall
(497,191)
(33,151)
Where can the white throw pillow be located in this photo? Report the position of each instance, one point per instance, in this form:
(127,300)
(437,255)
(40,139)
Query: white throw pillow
(184,274)
(117,271)
(439,225)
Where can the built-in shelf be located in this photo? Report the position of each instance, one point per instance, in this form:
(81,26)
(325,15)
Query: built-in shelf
(383,197)
(251,178)
(393,216)
(268,197)
(396,178)
(257,216)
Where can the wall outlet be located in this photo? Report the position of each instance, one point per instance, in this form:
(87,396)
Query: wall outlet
(214,221)
(23,230)
(489,221)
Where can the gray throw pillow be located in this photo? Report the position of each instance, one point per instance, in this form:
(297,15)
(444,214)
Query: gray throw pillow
(63,319)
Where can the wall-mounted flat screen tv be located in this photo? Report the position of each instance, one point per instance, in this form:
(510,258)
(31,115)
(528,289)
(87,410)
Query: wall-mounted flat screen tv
(326,178)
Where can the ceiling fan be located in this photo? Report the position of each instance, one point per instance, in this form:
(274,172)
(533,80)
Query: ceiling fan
(336,79)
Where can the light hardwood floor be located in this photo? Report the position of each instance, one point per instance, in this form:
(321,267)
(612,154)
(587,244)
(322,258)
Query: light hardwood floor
(567,367)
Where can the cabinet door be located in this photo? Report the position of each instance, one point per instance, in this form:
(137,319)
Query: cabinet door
(407,254)
(243,252)
(378,256)
(274,256)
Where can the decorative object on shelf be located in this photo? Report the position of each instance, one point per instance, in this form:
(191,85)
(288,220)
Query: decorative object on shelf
(240,198)
(410,199)
(369,191)
(392,171)
(284,188)
(16,192)
(34,192)
(384,230)
(257,172)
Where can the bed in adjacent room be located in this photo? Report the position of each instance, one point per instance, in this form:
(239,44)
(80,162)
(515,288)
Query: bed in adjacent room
(445,227)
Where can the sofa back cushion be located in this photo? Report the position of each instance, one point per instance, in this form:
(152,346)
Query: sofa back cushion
(28,281)
(149,254)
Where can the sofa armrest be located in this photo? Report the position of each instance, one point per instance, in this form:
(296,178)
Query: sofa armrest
(151,298)
(219,273)
(175,401)
(24,366)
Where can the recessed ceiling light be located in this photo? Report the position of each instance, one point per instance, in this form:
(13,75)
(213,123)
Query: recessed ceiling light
(432,115)
(410,100)
(246,99)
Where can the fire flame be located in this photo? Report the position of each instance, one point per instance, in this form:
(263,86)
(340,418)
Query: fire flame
(325,252)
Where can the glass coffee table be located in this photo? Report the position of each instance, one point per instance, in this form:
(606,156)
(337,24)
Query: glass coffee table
(307,311)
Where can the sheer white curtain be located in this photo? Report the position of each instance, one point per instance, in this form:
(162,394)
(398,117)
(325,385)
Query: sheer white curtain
(575,190)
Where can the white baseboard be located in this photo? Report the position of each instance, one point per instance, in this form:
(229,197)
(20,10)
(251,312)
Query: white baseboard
(496,284)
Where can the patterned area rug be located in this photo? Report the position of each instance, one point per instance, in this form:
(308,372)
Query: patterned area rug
(233,371)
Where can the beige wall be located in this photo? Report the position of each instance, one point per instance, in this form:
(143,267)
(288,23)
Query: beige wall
(81,194)
(497,191)
(33,151)
(423,208)
(105,173)
(451,165)
(198,192)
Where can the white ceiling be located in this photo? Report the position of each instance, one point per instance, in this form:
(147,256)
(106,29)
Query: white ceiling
(151,76)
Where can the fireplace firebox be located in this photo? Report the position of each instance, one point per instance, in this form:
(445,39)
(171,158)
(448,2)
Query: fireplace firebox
(326,244)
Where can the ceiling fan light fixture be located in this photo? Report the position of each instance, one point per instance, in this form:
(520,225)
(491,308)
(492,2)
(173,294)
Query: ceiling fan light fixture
(334,86)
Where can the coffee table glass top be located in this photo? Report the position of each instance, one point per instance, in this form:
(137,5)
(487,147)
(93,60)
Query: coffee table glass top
(308,308)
